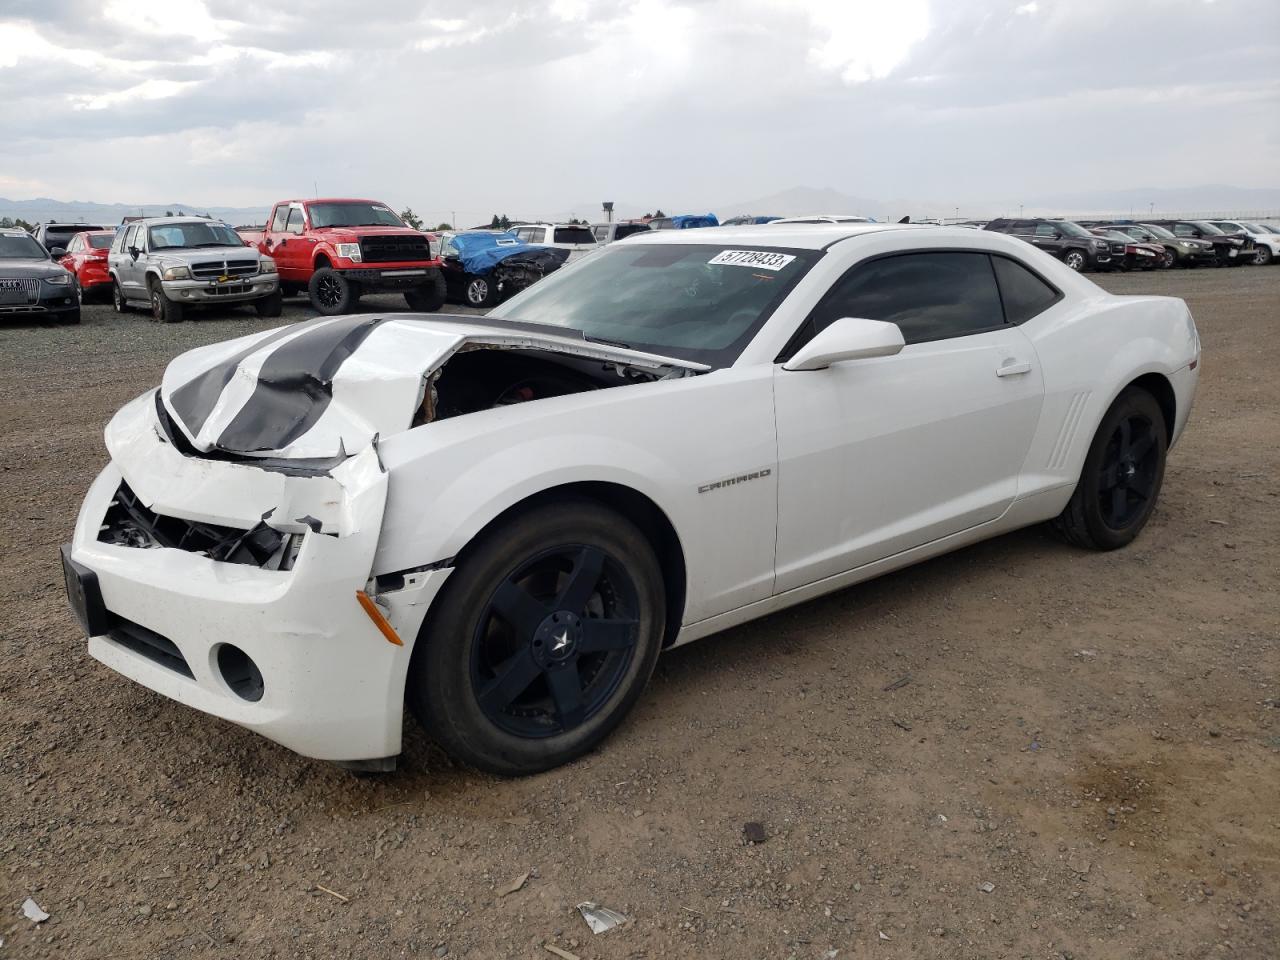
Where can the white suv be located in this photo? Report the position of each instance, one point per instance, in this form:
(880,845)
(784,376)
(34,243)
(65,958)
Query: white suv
(1266,244)
(577,238)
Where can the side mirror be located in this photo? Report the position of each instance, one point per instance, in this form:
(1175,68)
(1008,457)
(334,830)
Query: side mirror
(849,338)
(57,252)
(133,252)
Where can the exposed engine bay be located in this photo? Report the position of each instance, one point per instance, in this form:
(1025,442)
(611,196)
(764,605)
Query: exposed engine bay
(482,378)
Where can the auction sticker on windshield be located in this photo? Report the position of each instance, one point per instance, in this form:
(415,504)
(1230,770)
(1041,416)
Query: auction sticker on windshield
(752,258)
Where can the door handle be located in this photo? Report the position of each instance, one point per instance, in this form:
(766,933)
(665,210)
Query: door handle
(1012,368)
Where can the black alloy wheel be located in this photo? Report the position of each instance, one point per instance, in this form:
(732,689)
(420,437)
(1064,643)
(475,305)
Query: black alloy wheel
(332,293)
(541,640)
(1122,474)
(555,641)
(1130,470)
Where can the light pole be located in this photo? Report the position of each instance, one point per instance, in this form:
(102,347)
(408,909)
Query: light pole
(1019,211)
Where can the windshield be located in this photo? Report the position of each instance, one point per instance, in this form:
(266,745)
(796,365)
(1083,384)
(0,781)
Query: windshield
(573,235)
(698,302)
(1114,235)
(1137,233)
(197,233)
(1072,229)
(1208,228)
(352,215)
(1158,231)
(101,241)
(21,248)
(1255,228)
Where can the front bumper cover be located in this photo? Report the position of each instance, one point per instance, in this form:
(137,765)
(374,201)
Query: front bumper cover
(333,687)
(236,290)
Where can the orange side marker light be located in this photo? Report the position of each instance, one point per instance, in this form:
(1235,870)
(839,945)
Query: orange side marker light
(378,619)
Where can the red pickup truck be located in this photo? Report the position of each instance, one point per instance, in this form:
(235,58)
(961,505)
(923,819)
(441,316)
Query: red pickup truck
(339,249)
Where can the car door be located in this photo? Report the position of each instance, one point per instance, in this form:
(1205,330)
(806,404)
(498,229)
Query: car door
(291,254)
(1048,238)
(881,455)
(131,265)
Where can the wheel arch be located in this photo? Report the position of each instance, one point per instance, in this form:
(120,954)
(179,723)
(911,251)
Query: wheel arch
(649,518)
(1160,387)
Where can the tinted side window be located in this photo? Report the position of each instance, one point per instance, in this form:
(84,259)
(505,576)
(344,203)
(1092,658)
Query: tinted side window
(1046,230)
(1183,230)
(1024,293)
(930,296)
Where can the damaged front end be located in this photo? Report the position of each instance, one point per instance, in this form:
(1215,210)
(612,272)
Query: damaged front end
(526,268)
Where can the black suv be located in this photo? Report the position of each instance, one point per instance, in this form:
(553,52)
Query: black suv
(1232,250)
(56,236)
(1069,242)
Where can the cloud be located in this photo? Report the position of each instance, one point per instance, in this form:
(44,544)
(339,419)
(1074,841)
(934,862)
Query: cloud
(527,106)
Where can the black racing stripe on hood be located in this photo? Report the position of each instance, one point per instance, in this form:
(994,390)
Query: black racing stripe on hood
(194,400)
(295,386)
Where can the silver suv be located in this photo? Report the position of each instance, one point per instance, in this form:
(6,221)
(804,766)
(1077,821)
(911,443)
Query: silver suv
(172,263)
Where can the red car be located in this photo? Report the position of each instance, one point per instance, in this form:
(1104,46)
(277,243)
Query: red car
(86,258)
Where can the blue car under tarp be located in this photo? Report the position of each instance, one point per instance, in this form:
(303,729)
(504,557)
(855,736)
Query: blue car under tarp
(690,221)
(478,253)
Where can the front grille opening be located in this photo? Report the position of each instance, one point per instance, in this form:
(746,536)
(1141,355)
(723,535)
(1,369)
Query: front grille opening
(392,249)
(224,268)
(129,523)
(149,644)
(240,673)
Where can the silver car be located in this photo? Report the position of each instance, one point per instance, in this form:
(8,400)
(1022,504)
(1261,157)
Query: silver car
(174,263)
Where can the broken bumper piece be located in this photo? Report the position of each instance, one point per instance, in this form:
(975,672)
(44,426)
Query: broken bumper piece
(283,649)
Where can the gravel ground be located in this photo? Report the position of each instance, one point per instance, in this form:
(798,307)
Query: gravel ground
(1096,736)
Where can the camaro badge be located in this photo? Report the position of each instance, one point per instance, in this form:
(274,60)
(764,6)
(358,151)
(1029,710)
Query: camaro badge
(730,481)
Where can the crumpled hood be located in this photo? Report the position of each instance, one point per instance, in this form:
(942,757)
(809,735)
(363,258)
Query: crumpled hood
(326,388)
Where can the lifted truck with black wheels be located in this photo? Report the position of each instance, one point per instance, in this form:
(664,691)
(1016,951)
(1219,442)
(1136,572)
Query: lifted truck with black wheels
(338,250)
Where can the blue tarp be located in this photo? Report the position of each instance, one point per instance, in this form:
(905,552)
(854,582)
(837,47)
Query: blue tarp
(688,221)
(481,252)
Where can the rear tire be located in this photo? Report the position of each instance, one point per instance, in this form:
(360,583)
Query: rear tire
(272,305)
(164,310)
(332,293)
(542,639)
(429,297)
(118,298)
(1263,256)
(480,292)
(1121,478)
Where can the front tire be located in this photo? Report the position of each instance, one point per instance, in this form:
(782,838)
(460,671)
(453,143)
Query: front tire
(542,639)
(1263,256)
(1122,475)
(429,297)
(332,293)
(1076,260)
(272,305)
(164,310)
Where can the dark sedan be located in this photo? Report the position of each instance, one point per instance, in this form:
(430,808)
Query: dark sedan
(32,284)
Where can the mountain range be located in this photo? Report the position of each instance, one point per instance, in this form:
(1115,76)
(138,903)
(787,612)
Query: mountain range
(1205,200)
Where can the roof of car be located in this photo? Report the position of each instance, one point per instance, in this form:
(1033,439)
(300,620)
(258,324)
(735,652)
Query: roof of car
(813,236)
(152,221)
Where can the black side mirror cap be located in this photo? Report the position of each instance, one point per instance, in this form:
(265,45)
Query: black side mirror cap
(58,252)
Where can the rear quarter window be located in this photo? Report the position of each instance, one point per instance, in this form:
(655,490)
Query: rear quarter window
(1024,293)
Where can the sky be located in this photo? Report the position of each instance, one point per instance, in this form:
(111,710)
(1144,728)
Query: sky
(526,105)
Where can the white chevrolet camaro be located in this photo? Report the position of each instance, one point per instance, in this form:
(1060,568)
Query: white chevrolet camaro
(502,521)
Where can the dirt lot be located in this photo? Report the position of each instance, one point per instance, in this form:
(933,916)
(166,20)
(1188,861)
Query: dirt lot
(1096,735)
